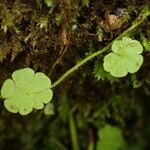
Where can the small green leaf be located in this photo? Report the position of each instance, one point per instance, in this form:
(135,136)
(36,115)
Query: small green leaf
(43,22)
(110,138)
(124,58)
(100,73)
(146,44)
(49,3)
(49,109)
(25,91)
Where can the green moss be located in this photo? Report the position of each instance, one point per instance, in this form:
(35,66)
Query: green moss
(25,41)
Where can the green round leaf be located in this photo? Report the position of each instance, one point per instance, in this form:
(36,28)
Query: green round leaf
(110,138)
(100,73)
(124,58)
(25,91)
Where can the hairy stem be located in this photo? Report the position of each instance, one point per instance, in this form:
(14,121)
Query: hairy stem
(144,14)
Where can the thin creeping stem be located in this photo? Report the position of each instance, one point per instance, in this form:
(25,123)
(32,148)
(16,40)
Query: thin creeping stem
(144,14)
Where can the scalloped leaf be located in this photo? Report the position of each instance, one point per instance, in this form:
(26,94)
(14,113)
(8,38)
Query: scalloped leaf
(25,91)
(124,58)
(100,73)
(110,138)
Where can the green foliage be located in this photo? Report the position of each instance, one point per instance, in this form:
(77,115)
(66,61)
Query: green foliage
(48,3)
(43,22)
(100,73)
(146,43)
(36,32)
(135,82)
(124,58)
(58,19)
(110,138)
(49,109)
(85,2)
(7,21)
(25,91)
(64,108)
(100,34)
(4,50)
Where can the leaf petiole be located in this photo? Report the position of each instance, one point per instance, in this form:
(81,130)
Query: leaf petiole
(144,14)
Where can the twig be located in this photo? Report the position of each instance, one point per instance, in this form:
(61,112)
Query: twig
(58,60)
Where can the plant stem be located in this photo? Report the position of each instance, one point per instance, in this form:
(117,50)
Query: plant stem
(91,140)
(141,18)
(73,132)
